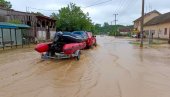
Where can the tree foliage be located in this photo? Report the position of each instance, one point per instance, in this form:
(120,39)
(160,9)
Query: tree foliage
(15,21)
(38,13)
(107,29)
(72,18)
(5,4)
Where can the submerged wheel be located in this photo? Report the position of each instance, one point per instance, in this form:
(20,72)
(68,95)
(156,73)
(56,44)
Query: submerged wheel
(78,56)
(95,44)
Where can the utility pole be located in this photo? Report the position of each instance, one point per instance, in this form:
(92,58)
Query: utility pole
(26,9)
(142,20)
(115,23)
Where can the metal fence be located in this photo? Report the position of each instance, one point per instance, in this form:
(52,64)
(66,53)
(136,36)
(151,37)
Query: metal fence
(14,37)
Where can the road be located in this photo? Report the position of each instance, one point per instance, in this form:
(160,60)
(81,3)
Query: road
(113,69)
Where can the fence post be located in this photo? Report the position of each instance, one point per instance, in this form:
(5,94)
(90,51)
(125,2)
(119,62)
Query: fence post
(2,38)
(16,38)
(22,37)
(11,37)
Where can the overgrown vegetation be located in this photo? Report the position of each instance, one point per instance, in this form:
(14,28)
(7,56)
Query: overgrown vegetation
(15,21)
(38,13)
(5,4)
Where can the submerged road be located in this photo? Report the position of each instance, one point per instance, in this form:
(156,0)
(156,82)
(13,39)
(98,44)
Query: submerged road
(113,69)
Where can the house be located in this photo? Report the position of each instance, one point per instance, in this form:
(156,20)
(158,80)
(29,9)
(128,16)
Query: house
(125,31)
(159,27)
(42,27)
(147,17)
(45,28)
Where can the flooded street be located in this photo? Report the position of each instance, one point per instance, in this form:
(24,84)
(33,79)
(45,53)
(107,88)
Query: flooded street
(114,68)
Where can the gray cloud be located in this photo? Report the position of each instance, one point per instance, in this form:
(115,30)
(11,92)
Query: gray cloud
(128,10)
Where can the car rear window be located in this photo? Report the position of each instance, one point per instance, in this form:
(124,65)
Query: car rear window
(89,34)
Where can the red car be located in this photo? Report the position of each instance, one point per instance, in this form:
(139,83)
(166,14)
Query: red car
(88,37)
(91,40)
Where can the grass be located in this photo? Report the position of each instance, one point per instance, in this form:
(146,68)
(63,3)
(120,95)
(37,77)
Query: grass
(154,44)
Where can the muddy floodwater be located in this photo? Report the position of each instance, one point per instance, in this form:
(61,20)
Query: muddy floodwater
(115,68)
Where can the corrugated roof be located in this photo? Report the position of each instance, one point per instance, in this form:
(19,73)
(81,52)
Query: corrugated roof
(164,18)
(11,25)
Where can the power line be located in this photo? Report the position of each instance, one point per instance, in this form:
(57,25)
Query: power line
(27,8)
(40,9)
(97,3)
(125,7)
(128,5)
(122,4)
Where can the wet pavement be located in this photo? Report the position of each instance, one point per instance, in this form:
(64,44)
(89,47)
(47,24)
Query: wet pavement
(115,68)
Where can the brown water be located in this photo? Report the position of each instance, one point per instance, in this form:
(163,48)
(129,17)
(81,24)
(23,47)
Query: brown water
(114,69)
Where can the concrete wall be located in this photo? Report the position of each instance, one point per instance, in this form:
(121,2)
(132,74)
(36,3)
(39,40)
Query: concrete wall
(52,33)
(41,35)
(159,30)
(2,14)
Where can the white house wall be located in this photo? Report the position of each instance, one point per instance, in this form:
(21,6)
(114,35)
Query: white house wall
(41,35)
(124,33)
(159,30)
(52,33)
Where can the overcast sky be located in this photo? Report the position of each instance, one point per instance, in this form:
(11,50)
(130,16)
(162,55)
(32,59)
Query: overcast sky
(127,10)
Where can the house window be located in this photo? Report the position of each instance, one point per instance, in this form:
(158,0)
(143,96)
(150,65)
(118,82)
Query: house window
(165,33)
(152,31)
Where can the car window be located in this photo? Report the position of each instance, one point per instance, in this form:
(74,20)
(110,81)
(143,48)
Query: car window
(89,34)
(80,33)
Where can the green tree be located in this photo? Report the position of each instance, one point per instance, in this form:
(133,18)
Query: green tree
(5,4)
(107,29)
(97,28)
(106,24)
(72,18)
(15,21)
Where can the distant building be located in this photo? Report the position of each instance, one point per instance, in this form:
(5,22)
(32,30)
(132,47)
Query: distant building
(159,27)
(42,27)
(125,31)
(147,17)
